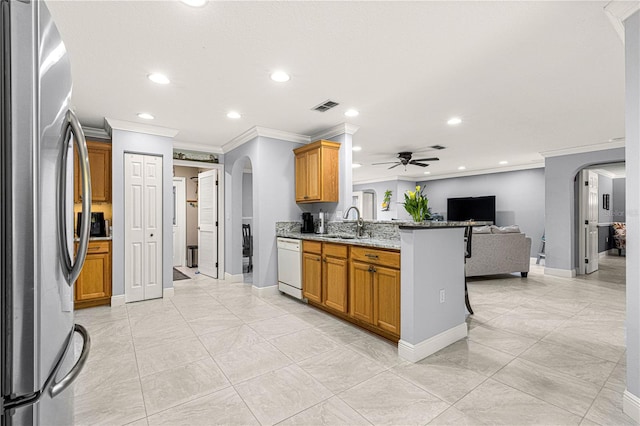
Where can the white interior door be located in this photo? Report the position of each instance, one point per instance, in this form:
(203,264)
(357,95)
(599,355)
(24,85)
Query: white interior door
(588,222)
(179,221)
(208,223)
(143,227)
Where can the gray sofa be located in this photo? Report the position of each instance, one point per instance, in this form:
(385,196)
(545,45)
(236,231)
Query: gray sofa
(493,254)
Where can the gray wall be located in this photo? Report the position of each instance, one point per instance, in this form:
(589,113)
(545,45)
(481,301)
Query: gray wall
(519,195)
(247,194)
(396,210)
(618,200)
(273,165)
(560,211)
(140,143)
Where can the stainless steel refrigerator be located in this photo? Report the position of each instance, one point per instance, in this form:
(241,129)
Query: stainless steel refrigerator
(38,263)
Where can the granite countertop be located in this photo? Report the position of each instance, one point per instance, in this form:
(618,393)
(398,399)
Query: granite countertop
(432,224)
(76,239)
(344,239)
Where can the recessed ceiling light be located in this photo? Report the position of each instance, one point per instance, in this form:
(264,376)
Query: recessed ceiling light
(146,116)
(194,3)
(462,168)
(158,78)
(503,162)
(280,76)
(453,121)
(427,173)
(356,148)
(351,113)
(233,114)
(356,165)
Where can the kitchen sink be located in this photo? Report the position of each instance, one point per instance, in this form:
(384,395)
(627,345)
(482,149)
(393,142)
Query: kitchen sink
(341,236)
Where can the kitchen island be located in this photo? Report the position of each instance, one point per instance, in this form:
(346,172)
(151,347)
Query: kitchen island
(403,281)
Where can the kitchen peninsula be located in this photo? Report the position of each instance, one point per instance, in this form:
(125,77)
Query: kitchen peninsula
(404,281)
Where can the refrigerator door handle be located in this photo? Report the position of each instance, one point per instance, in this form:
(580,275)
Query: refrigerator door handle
(72,269)
(55,388)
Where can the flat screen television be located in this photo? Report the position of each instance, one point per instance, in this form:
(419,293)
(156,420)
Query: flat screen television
(476,208)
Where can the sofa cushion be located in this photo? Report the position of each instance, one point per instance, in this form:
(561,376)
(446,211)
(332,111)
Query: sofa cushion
(486,229)
(511,229)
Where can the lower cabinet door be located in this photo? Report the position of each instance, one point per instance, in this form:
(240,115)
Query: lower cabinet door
(312,277)
(386,284)
(361,292)
(335,286)
(92,282)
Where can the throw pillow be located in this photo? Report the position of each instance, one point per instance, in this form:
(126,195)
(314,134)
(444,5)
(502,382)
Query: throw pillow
(486,229)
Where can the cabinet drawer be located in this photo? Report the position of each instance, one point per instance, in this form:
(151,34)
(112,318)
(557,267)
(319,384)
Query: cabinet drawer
(98,247)
(312,247)
(379,257)
(335,250)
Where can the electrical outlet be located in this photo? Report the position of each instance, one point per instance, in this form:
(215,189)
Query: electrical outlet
(442,295)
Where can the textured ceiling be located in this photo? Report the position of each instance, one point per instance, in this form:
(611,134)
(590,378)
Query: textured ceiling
(525,77)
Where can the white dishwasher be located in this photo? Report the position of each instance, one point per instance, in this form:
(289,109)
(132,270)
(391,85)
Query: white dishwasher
(290,266)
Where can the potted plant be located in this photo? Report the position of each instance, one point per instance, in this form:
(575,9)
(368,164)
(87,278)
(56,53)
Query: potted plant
(386,200)
(416,204)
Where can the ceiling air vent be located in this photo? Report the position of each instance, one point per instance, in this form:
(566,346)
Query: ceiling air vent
(325,106)
(437,147)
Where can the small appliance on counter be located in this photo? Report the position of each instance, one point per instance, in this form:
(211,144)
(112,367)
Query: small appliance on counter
(307,223)
(322,229)
(98,228)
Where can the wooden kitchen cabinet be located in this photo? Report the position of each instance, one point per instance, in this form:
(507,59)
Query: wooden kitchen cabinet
(335,276)
(386,299)
(361,292)
(100,167)
(317,172)
(93,286)
(312,271)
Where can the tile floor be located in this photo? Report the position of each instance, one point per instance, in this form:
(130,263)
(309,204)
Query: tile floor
(541,350)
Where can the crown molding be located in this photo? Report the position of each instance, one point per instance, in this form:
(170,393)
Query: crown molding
(112,123)
(386,179)
(340,129)
(502,169)
(583,148)
(618,11)
(189,146)
(95,133)
(256,131)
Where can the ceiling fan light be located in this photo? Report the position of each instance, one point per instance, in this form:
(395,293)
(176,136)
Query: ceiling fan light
(454,121)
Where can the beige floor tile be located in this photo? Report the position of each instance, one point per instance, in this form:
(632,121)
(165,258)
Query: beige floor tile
(230,339)
(106,372)
(257,313)
(440,377)
(386,399)
(343,332)
(607,409)
(221,319)
(280,394)
(173,387)
(581,339)
(251,361)
(100,314)
(169,355)
(570,361)
(503,341)
(476,357)
(497,404)
(110,405)
(304,344)
(192,309)
(378,349)
(341,368)
(557,388)
(315,317)
(533,323)
(224,407)
(279,326)
(333,411)
(617,381)
(454,417)
(141,422)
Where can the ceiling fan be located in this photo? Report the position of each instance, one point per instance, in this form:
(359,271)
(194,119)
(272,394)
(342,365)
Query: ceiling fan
(405,159)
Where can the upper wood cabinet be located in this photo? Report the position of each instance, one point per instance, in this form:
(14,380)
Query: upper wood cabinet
(100,167)
(317,172)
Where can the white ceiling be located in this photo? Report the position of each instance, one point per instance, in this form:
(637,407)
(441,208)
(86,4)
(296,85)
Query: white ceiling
(525,77)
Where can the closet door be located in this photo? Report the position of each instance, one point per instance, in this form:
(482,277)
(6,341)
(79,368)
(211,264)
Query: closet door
(143,227)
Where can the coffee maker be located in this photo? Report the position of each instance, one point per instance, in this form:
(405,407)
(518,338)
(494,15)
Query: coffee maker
(307,223)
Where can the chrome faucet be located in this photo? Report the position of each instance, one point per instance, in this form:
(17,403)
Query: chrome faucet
(359,221)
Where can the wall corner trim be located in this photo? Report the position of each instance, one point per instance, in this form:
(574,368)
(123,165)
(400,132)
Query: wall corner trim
(631,405)
(414,353)
(264,291)
(584,148)
(129,126)
(168,292)
(237,278)
(256,131)
(117,300)
(340,129)
(564,273)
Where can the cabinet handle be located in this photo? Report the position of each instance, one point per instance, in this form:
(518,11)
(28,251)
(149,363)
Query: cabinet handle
(372,269)
(371,256)
(94,248)
(324,260)
(318,259)
(306,196)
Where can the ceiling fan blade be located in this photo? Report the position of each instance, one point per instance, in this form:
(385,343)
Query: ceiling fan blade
(419,164)
(396,165)
(426,159)
(388,162)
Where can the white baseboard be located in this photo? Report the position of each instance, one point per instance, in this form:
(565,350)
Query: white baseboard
(564,273)
(117,300)
(168,292)
(415,353)
(631,405)
(264,291)
(237,278)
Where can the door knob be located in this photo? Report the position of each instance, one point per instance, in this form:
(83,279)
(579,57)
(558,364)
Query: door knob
(151,235)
